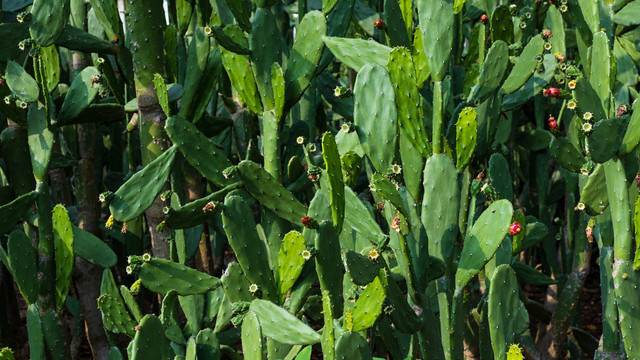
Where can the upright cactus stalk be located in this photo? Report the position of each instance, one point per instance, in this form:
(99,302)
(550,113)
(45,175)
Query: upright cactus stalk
(146,22)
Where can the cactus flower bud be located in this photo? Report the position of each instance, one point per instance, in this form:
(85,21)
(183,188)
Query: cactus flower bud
(552,92)
(515,228)
(622,109)
(547,33)
(484,19)
(306,254)
(306,221)
(373,254)
(379,24)
(553,124)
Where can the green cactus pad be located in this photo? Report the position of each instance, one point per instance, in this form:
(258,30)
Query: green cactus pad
(492,73)
(48,20)
(588,100)
(594,194)
(618,193)
(525,66)
(500,176)
(369,305)
(305,55)
(533,86)
(626,282)
(334,176)
(356,53)
(387,189)
(361,269)
(22,261)
(54,335)
(264,30)
(197,212)
(329,264)
(40,140)
(81,93)
(375,115)
(420,59)
(64,254)
(196,64)
(338,22)
(530,275)
(600,70)
(114,313)
(605,139)
(352,346)
(201,153)
(281,326)
(132,305)
(162,276)
(482,242)
(555,23)
(139,192)
(440,205)
(227,42)
(172,331)
(502,25)
(163,94)
(507,314)
(437,22)
(107,13)
(50,59)
(563,151)
(271,194)
(149,341)
(628,15)
(251,252)
(35,332)
(252,342)
(11,34)
(401,313)
(239,70)
(236,285)
(242,12)
(408,99)
(15,210)
(291,260)
(466,137)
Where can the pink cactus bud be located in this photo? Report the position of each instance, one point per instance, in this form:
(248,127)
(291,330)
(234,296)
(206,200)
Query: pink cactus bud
(515,228)
(484,18)
(553,124)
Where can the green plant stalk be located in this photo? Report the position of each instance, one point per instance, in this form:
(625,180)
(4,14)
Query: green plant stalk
(438,117)
(464,202)
(46,266)
(415,290)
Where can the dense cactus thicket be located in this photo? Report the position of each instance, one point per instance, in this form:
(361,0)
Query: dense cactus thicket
(337,179)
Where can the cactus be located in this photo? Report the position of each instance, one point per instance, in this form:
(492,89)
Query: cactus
(82,91)
(525,65)
(162,276)
(63,244)
(483,241)
(334,176)
(22,261)
(136,196)
(252,342)
(149,341)
(375,115)
(357,53)
(281,326)
(369,305)
(507,314)
(251,252)
(327,258)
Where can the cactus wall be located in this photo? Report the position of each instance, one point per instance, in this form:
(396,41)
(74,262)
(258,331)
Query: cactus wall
(336,179)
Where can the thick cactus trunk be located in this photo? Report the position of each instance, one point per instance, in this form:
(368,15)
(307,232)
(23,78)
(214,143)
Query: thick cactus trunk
(146,22)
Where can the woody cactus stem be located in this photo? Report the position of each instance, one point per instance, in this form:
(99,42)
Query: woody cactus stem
(556,336)
(86,194)
(146,21)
